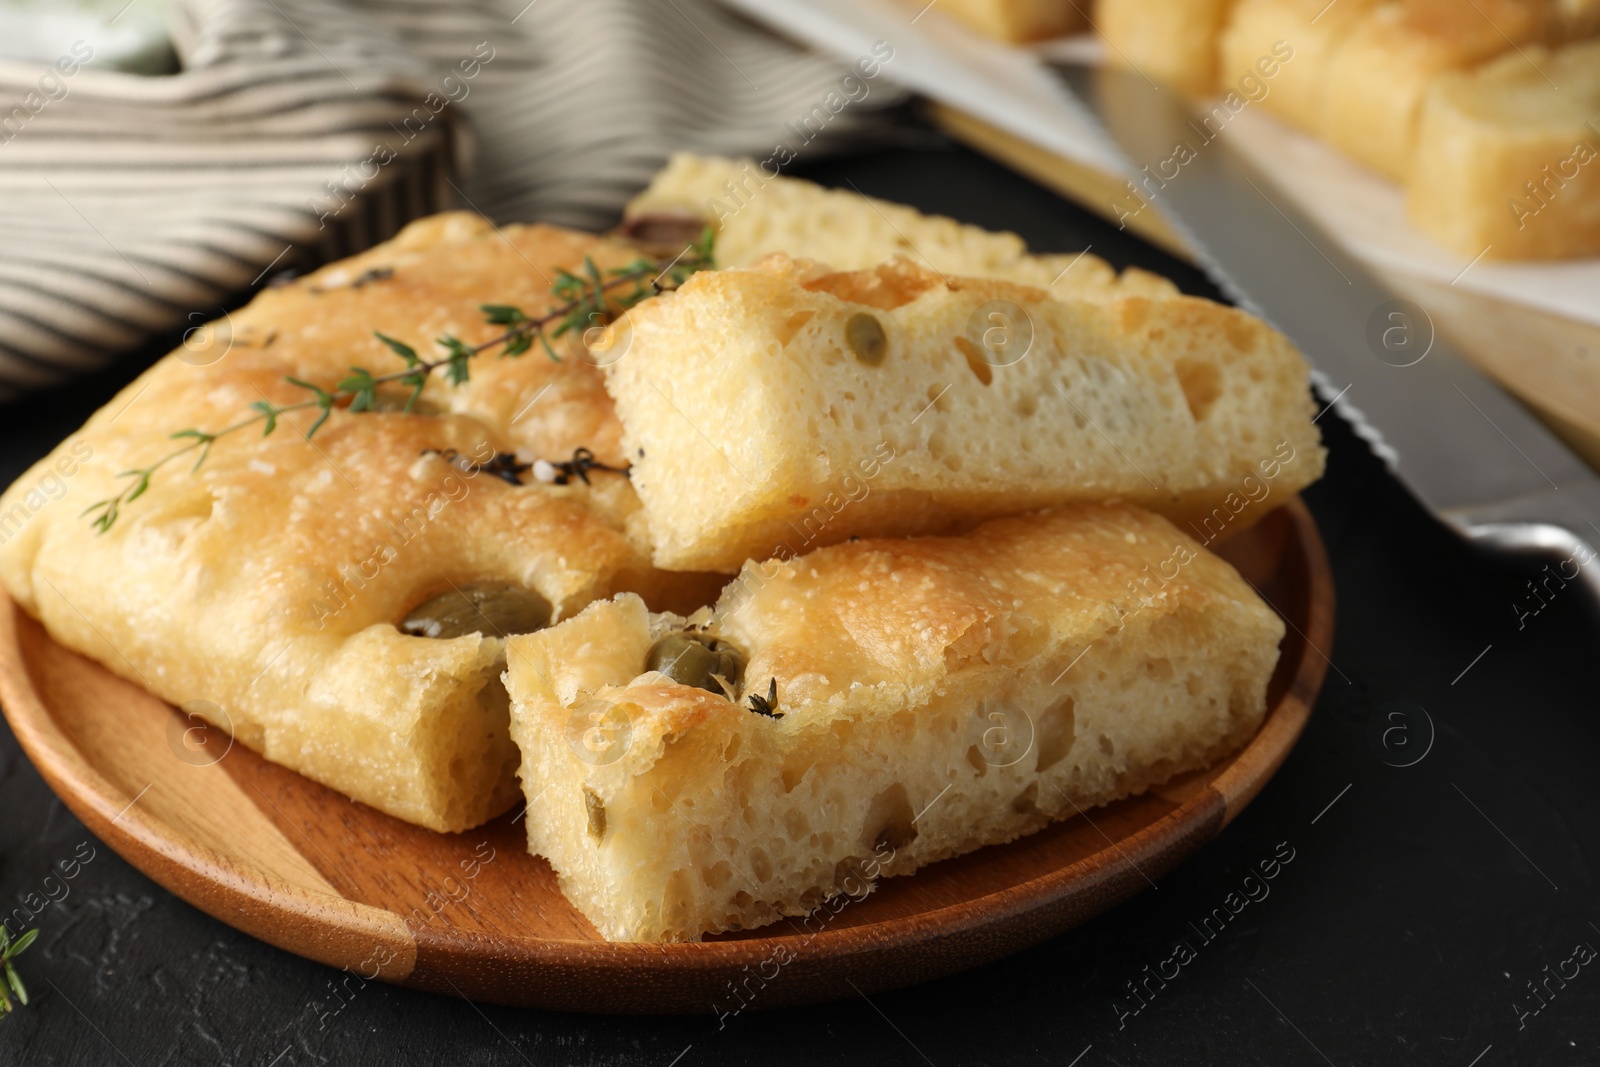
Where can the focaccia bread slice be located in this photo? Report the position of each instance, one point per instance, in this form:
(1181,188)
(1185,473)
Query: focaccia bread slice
(1311,30)
(755,216)
(936,695)
(1171,41)
(1016,21)
(264,587)
(1379,74)
(778,408)
(1577,19)
(1508,162)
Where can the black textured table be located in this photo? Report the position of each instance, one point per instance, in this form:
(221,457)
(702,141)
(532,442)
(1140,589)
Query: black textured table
(1442,813)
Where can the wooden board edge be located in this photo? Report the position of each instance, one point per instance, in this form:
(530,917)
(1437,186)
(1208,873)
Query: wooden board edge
(325,928)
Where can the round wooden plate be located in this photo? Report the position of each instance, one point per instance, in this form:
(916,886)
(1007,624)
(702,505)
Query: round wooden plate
(306,869)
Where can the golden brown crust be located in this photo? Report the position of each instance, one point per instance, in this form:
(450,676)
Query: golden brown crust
(444,268)
(267,582)
(888,609)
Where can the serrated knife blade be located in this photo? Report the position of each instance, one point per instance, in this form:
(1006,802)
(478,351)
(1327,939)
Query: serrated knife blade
(1461,444)
(1464,447)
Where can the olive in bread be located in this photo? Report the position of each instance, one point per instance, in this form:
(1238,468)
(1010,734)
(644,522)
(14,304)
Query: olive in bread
(881,705)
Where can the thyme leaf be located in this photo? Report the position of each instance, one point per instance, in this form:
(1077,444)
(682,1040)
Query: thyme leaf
(362,387)
(502,315)
(320,397)
(9,951)
(268,413)
(400,348)
(457,365)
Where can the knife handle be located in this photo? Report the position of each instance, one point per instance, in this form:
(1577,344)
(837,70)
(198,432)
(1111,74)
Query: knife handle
(1562,525)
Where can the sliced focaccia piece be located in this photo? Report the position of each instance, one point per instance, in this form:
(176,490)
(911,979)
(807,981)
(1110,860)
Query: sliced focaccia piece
(1302,35)
(264,588)
(1016,21)
(879,705)
(1171,41)
(778,408)
(756,215)
(1379,74)
(1508,156)
(1577,19)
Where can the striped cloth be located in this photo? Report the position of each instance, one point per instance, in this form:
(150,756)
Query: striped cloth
(304,130)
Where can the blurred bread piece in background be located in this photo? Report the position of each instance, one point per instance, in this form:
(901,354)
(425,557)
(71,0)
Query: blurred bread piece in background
(1015,21)
(1460,101)
(1576,19)
(1311,29)
(1170,41)
(1508,156)
(756,215)
(1377,78)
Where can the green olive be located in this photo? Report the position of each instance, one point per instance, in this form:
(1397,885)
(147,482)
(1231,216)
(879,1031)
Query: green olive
(866,337)
(698,660)
(664,233)
(595,809)
(497,609)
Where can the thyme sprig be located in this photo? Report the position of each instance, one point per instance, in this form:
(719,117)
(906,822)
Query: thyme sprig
(579,466)
(588,298)
(9,979)
(503,465)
